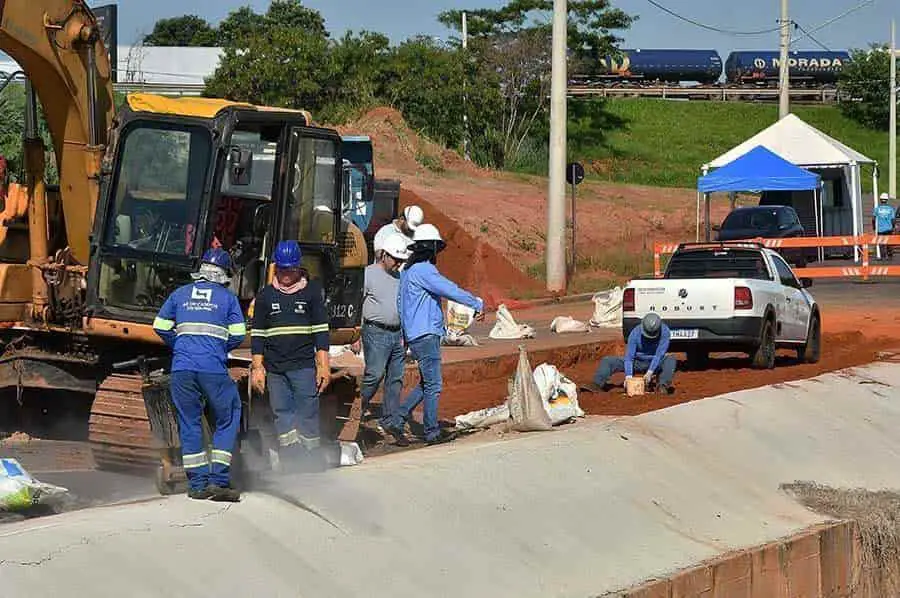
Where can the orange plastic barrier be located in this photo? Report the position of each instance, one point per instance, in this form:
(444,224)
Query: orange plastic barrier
(866,243)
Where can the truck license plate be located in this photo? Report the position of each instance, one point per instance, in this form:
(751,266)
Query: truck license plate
(684,333)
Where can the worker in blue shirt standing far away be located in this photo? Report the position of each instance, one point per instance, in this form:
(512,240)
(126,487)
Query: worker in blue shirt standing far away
(421,289)
(202,322)
(883,222)
(290,342)
(648,344)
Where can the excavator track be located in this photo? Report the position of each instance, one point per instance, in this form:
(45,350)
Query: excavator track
(119,428)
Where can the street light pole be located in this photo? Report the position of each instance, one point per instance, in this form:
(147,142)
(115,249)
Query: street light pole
(784,80)
(556,196)
(892,151)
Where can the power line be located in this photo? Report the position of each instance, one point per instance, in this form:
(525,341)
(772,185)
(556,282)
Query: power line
(849,11)
(710,27)
(820,44)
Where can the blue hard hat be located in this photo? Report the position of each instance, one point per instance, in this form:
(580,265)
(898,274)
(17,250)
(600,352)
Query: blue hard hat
(287,255)
(217,257)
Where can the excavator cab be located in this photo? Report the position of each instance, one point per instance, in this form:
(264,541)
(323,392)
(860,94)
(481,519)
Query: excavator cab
(185,175)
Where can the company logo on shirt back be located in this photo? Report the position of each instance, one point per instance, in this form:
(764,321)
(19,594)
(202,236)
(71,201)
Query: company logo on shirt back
(201,294)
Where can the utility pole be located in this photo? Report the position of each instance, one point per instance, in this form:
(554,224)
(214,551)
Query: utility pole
(892,151)
(465,45)
(784,80)
(556,196)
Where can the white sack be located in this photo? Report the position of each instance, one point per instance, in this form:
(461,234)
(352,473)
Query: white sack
(459,318)
(525,406)
(507,328)
(565,324)
(607,308)
(20,491)
(459,340)
(483,418)
(558,393)
(351,454)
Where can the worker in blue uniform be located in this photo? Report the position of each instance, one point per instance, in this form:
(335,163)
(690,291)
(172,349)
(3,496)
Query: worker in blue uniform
(646,353)
(883,223)
(290,342)
(202,322)
(421,289)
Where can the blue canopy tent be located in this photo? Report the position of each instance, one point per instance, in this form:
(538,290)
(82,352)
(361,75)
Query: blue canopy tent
(760,169)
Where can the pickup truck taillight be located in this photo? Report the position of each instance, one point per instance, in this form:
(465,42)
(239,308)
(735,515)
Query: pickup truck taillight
(628,300)
(743,298)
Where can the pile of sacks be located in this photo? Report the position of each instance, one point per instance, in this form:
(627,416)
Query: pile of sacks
(538,400)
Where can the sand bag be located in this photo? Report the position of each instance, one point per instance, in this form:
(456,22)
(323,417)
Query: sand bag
(567,324)
(483,418)
(607,309)
(507,328)
(558,393)
(20,491)
(525,405)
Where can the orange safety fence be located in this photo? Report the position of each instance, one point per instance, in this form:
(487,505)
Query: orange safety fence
(866,244)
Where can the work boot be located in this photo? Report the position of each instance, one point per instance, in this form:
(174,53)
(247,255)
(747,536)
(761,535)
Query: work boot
(442,437)
(667,389)
(223,494)
(399,435)
(201,494)
(594,387)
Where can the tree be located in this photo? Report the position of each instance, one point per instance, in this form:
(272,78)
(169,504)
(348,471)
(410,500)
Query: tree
(359,63)
(865,88)
(239,25)
(187,30)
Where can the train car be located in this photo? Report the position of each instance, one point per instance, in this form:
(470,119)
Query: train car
(817,68)
(665,66)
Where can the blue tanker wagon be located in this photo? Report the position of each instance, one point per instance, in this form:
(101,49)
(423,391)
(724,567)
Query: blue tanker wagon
(665,66)
(819,68)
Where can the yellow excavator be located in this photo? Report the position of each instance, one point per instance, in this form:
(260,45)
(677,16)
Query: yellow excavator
(142,193)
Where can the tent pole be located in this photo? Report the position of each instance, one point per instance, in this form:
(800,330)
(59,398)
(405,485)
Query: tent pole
(698,217)
(817,201)
(855,205)
(875,202)
(708,223)
(732,197)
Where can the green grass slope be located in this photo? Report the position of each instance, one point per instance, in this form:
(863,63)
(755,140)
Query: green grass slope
(664,143)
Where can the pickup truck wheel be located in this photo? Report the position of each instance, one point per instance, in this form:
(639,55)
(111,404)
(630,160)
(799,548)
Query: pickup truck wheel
(812,350)
(764,355)
(697,360)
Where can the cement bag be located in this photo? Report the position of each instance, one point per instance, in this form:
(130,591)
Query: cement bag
(526,408)
(483,418)
(459,340)
(20,491)
(607,309)
(566,324)
(351,454)
(459,318)
(507,328)
(558,393)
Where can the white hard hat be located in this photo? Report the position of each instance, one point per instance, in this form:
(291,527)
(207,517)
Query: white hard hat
(414,216)
(397,246)
(884,197)
(427,232)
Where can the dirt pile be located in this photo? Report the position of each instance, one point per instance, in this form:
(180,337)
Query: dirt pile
(472,263)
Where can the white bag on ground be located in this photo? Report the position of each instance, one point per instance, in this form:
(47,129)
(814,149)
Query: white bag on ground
(607,308)
(459,318)
(20,491)
(564,324)
(525,405)
(559,394)
(351,454)
(483,418)
(507,328)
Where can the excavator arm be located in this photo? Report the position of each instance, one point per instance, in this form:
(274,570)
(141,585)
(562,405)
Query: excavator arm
(58,45)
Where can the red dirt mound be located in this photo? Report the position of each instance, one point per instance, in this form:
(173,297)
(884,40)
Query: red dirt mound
(473,264)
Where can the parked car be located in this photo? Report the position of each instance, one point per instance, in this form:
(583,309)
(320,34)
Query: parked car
(729,297)
(767,222)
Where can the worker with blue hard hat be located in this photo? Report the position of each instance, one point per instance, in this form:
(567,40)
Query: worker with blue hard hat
(289,332)
(202,322)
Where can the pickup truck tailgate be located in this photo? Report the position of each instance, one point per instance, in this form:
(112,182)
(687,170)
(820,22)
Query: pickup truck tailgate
(684,299)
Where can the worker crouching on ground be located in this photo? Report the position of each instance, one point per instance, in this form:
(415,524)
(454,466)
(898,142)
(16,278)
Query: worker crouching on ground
(382,339)
(421,289)
(289,332)
(646,354)
(410,219)
(202,322)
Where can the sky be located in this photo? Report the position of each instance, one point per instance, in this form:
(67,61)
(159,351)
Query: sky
(400,19)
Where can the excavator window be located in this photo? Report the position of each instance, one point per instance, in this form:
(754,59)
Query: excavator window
(311,198)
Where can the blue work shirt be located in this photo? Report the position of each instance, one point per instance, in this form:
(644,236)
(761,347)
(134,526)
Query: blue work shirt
(884,218)
(642,348)
(202,322)
(421,289)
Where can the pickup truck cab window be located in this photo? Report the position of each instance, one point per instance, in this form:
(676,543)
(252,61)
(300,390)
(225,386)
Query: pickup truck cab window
(785,273)
(718,263)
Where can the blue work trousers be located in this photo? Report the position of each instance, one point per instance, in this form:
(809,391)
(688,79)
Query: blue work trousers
(611,365)
(295,401)
(385,360)
(427,352)
(188,391)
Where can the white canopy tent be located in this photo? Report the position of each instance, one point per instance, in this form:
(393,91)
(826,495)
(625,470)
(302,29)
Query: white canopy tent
(807,147)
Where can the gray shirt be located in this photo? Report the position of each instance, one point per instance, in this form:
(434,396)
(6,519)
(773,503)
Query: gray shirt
(380,296)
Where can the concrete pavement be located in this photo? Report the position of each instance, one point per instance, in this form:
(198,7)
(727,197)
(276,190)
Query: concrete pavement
(580,511)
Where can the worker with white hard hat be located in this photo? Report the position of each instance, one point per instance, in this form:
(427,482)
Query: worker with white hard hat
(421,289)
(382,339)
(406,224)
(883,222)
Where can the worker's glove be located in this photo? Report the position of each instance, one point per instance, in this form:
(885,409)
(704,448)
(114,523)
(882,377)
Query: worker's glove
(258,379)
(648,378)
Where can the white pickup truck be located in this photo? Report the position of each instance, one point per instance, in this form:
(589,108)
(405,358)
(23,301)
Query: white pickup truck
(729,297)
